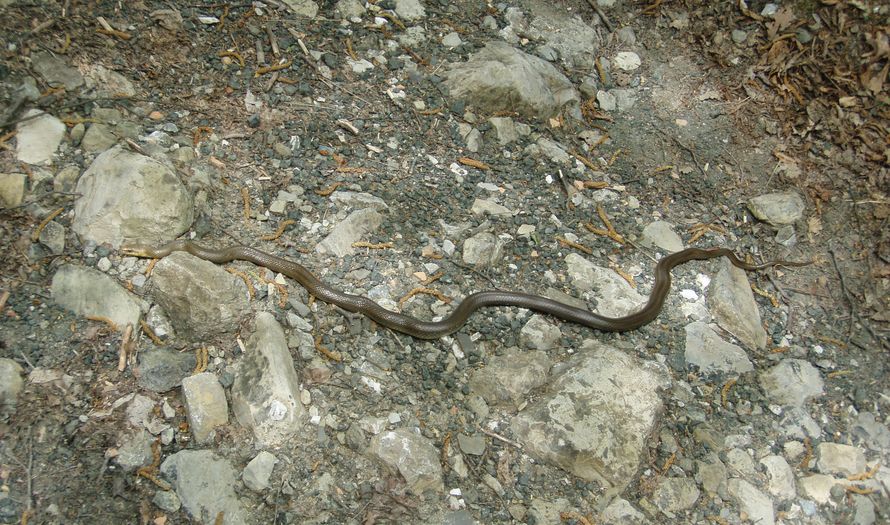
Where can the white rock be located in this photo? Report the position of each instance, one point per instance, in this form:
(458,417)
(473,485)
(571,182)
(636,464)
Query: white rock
(627,60)
(38,138)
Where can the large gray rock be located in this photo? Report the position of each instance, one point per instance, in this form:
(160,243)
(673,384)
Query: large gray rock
(757,505)
(89,292)
(662,234)
(206,485)
(130,198)
(711,354)
(56,71)
(199,297)
(509,378)
(205,403)
(410,10)
(732,304)
(412,456)
(266,392)
(576,42)
(38,138)
(351,229)
(500,77)
(777,209)
(792,382)
(161,370)
(614,296)
(482,250)
(582,423)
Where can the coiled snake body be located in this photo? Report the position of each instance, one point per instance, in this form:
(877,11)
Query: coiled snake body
(435,329)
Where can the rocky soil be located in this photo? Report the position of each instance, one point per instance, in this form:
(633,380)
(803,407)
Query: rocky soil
(415,152)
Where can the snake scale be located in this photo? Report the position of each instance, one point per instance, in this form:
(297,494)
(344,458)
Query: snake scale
(435,329)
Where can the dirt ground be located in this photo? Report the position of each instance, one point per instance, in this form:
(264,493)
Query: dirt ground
(781,112)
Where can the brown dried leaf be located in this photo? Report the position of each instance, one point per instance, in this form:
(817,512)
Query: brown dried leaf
(873,81)
(781,20)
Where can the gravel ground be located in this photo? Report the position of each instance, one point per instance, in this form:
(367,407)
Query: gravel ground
(759,398)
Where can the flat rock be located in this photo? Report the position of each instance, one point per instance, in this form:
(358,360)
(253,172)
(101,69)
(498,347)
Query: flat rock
(358,199)
(350,8)
(257,473)
(777,209)
(11,381)
(266,391)
(411,455)
(554,151)
(818,487)
(509,377)
(98,137)
(130,198)
(56,71)
(837,458)
(672,495)
(595,391)
(199,297)
(781,477)
(135,450)
(353,228)
(621,512)
(12,189)
(872,432)
(757,505)
(614,296)
(205,404)
(53,237)
(490,207)
(38,139)
(108,83)
(539,334)
(500,77)
(662,235)
(792,382)
(306,8)
(161,370)
(504,130)
(575,41)
(205,484)
(482,250)
(711,354)
(732,303)
(89,292)
(410,10)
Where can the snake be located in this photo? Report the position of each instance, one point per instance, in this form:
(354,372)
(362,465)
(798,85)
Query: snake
(452,323)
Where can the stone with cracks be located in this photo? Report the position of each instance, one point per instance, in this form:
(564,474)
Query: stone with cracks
(351,229)
(501,78)
(205,484)
(733,306)
(130,198)
(88,292)
(199,297)
(38,138)
(581,424)
(266,392)
(411,455)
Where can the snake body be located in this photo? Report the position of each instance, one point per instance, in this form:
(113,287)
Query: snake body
(435,329)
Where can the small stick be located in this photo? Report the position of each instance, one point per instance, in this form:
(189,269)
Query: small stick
(499,437)
(44,222)
(125,344)
(602,15)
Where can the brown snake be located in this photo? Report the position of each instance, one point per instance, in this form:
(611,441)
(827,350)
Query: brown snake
(435,329)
